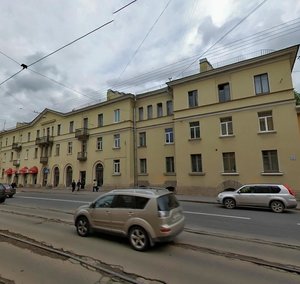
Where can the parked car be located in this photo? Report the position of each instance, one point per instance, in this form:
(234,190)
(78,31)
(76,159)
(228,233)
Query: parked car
(278,197)
(9,190)
(2,193)
(144,216)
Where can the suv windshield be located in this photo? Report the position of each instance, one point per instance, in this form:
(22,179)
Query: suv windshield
(167,202)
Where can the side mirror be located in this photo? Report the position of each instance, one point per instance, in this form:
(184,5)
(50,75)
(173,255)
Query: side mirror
(92,205)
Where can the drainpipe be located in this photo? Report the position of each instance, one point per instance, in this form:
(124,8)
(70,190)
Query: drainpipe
(135,181)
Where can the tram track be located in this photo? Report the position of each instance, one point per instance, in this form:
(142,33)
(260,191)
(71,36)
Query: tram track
(90,263)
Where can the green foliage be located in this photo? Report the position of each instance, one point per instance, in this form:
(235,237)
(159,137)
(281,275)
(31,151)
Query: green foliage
(297,97)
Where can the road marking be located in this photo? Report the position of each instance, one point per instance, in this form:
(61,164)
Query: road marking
(217,215)
(298,224)
(53,199)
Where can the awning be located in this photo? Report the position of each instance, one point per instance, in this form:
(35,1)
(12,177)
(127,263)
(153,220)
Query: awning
(33,170)
(23,171)
(9,171)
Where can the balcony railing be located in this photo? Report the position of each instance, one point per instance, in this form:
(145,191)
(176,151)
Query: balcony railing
(44,160)
(44,141)
(16,146)
(16,163)
(82,134)
(82,156)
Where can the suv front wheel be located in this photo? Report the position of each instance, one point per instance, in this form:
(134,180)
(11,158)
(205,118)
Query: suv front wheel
(82,226)
(138,238)
(277,206)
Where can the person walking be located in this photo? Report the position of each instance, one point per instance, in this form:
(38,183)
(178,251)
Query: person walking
(78,185)
(73,185)
(95,187)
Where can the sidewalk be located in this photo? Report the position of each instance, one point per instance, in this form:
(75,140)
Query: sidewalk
(180,197)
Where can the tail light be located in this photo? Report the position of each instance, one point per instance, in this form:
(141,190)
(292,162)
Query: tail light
(290,190)
(165,229)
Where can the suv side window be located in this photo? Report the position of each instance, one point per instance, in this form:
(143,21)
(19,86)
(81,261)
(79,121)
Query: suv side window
(104,202)
(247,189)
(130,201)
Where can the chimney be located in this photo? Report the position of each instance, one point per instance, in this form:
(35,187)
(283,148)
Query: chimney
(204,65)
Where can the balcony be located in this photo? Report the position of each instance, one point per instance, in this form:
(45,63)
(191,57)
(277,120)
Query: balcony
(82,156)
(44,160)
(16,163)
(44,141)
(16,146)
(82,134)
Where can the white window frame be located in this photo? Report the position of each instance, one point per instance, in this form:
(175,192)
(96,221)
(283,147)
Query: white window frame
(117,115)
(116,167)
(195,130)
(226,126)
(117,141)
(196,163)
(70,148)
(169,135)
(142,139)
(143,166)
(265,121)
(99,145)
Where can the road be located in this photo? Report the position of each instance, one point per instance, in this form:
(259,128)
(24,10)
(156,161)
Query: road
(202,255)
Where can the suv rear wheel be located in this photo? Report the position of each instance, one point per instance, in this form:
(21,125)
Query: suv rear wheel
(83,226)
(138,238)
(229,203)
(277,206)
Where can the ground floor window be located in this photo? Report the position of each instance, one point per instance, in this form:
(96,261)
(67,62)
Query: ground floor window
(270,161)
(229,162)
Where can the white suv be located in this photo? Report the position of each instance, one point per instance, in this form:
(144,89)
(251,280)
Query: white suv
(145,216)
(275,196)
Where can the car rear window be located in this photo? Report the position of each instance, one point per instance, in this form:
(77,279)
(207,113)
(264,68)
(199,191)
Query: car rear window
(267,189)
(167,202)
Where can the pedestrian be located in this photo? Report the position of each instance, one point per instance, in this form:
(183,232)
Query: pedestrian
(73,185)
(95,187)
(78,185)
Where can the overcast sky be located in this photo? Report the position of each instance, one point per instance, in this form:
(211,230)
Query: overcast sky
(148,42)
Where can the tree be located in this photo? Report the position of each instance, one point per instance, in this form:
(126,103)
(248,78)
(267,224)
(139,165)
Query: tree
(297,97)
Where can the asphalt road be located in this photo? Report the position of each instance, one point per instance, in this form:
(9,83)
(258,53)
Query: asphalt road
(247,222)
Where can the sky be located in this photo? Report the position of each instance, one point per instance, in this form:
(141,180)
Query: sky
(133,50)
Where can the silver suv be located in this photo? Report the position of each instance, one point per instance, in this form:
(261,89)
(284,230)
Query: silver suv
(145,216)
(275,196)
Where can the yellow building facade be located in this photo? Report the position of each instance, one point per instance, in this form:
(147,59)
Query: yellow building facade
(201,134)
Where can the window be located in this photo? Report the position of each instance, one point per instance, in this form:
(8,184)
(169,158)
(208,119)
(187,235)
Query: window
(37,133)
(265,121)
(196,161)
(58,129)
(6,141)
(28,136)
(226,126)
(117,141)
(261,84)
(170,165)
(99,143)
(100,119)
(71,127)
(224,92)
(270,161)
(159,110)
(116,166)
(193,98)
(229,162)
(143,166)
(57,148)
(14,139)
(149,111)
(70,148)
(142,139)
(141,113)
(195,130)
(169,107)
(11,156)
(36,150)
(26,154)
(117,115)
(169,136)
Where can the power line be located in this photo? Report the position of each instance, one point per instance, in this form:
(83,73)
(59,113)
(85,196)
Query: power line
(228,32)
(115,12)
(140,45)
(11,77)
(68,44)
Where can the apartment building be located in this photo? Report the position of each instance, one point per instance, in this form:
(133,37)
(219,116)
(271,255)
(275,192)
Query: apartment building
(210,131)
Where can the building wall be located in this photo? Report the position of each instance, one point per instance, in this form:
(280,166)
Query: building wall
(246,142)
